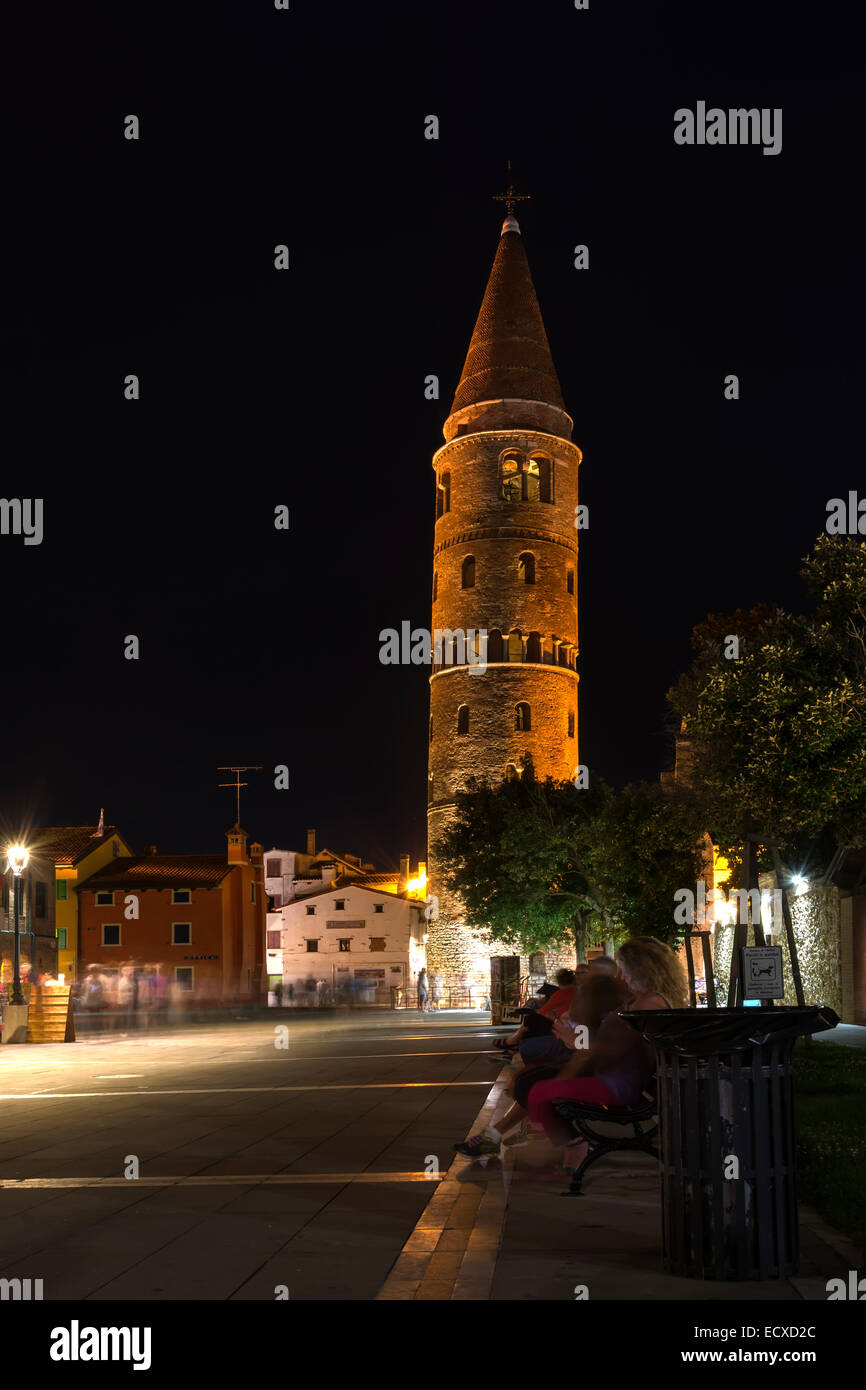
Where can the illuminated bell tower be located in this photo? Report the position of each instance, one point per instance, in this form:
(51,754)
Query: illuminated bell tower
(504,562)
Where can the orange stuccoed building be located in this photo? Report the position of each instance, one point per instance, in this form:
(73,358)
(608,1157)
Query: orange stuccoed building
(199,918)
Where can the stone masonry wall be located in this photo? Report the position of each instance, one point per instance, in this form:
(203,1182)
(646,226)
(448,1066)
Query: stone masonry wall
(495,532)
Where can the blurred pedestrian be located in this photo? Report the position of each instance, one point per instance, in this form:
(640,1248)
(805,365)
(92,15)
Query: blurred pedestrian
(160,991)
(423,992)
(91,990)
(176,1000)
(126,998)
(435,990)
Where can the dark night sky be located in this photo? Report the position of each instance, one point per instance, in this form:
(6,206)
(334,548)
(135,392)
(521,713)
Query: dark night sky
(306,388)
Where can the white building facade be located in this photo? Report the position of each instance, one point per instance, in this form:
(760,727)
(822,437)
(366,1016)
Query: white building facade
(351,943)
(291,874)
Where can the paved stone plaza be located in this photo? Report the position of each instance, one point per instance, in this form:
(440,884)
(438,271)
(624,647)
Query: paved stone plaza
(314,1168)
(258,1167)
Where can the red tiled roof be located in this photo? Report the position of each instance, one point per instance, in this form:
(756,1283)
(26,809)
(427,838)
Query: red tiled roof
(161,871)
(66,844)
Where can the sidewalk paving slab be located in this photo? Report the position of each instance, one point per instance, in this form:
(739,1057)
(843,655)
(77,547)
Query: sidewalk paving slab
(523,1237)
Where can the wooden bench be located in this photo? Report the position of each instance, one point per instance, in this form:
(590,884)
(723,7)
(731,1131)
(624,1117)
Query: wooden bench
(584,1117)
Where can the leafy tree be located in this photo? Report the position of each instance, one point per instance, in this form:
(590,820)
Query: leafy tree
(779,735)
(546,865)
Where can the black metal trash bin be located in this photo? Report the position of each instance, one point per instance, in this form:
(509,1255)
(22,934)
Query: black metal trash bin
(725,1092)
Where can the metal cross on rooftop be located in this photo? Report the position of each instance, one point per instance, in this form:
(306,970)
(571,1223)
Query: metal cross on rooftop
(511,195)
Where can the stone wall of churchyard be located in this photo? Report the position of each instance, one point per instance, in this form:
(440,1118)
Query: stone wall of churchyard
(816,921)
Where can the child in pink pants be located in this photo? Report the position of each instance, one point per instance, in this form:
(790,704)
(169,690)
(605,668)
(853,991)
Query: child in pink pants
(542,1114)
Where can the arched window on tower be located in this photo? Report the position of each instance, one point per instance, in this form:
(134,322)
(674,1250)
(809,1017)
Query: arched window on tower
(446,492)
(569,580)
(463,719)
(511,467)
(571,724)
(544,470)
(467,573)
(522,718)
(494,646)
(563,654)
(435,585)
(515,647)
(533,647)
(532,482)
(431,728)
(526,567)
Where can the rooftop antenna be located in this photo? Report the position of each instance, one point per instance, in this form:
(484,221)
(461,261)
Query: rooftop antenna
(237,783)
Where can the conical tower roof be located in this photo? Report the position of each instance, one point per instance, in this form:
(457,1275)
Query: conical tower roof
(509,355)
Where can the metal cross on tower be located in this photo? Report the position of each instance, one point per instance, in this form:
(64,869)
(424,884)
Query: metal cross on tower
(511,195)
(237,783)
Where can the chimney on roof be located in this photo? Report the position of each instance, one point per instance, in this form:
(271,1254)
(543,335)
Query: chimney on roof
(311,842)
(403,880)
(237,839)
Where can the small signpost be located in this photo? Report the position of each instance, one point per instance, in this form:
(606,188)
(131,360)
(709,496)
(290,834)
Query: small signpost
(761,972)
(737,993)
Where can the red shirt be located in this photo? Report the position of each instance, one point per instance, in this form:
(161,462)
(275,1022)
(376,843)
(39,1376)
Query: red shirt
(559,1002)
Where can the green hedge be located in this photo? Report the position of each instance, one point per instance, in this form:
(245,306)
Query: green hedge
(830,1118)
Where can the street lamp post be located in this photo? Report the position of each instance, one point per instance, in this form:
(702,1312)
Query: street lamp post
(16,858)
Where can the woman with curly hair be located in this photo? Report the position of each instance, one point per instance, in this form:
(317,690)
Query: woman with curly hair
(618,1066)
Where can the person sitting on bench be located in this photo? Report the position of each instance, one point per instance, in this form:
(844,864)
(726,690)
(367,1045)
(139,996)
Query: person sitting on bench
(553,1046)
(592,1002)
(615,1070)
(539,1022)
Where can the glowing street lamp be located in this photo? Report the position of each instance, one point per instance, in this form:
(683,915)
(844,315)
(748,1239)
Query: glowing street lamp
(16,860)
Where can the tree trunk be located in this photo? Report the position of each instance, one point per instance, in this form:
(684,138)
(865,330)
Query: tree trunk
(580,941)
